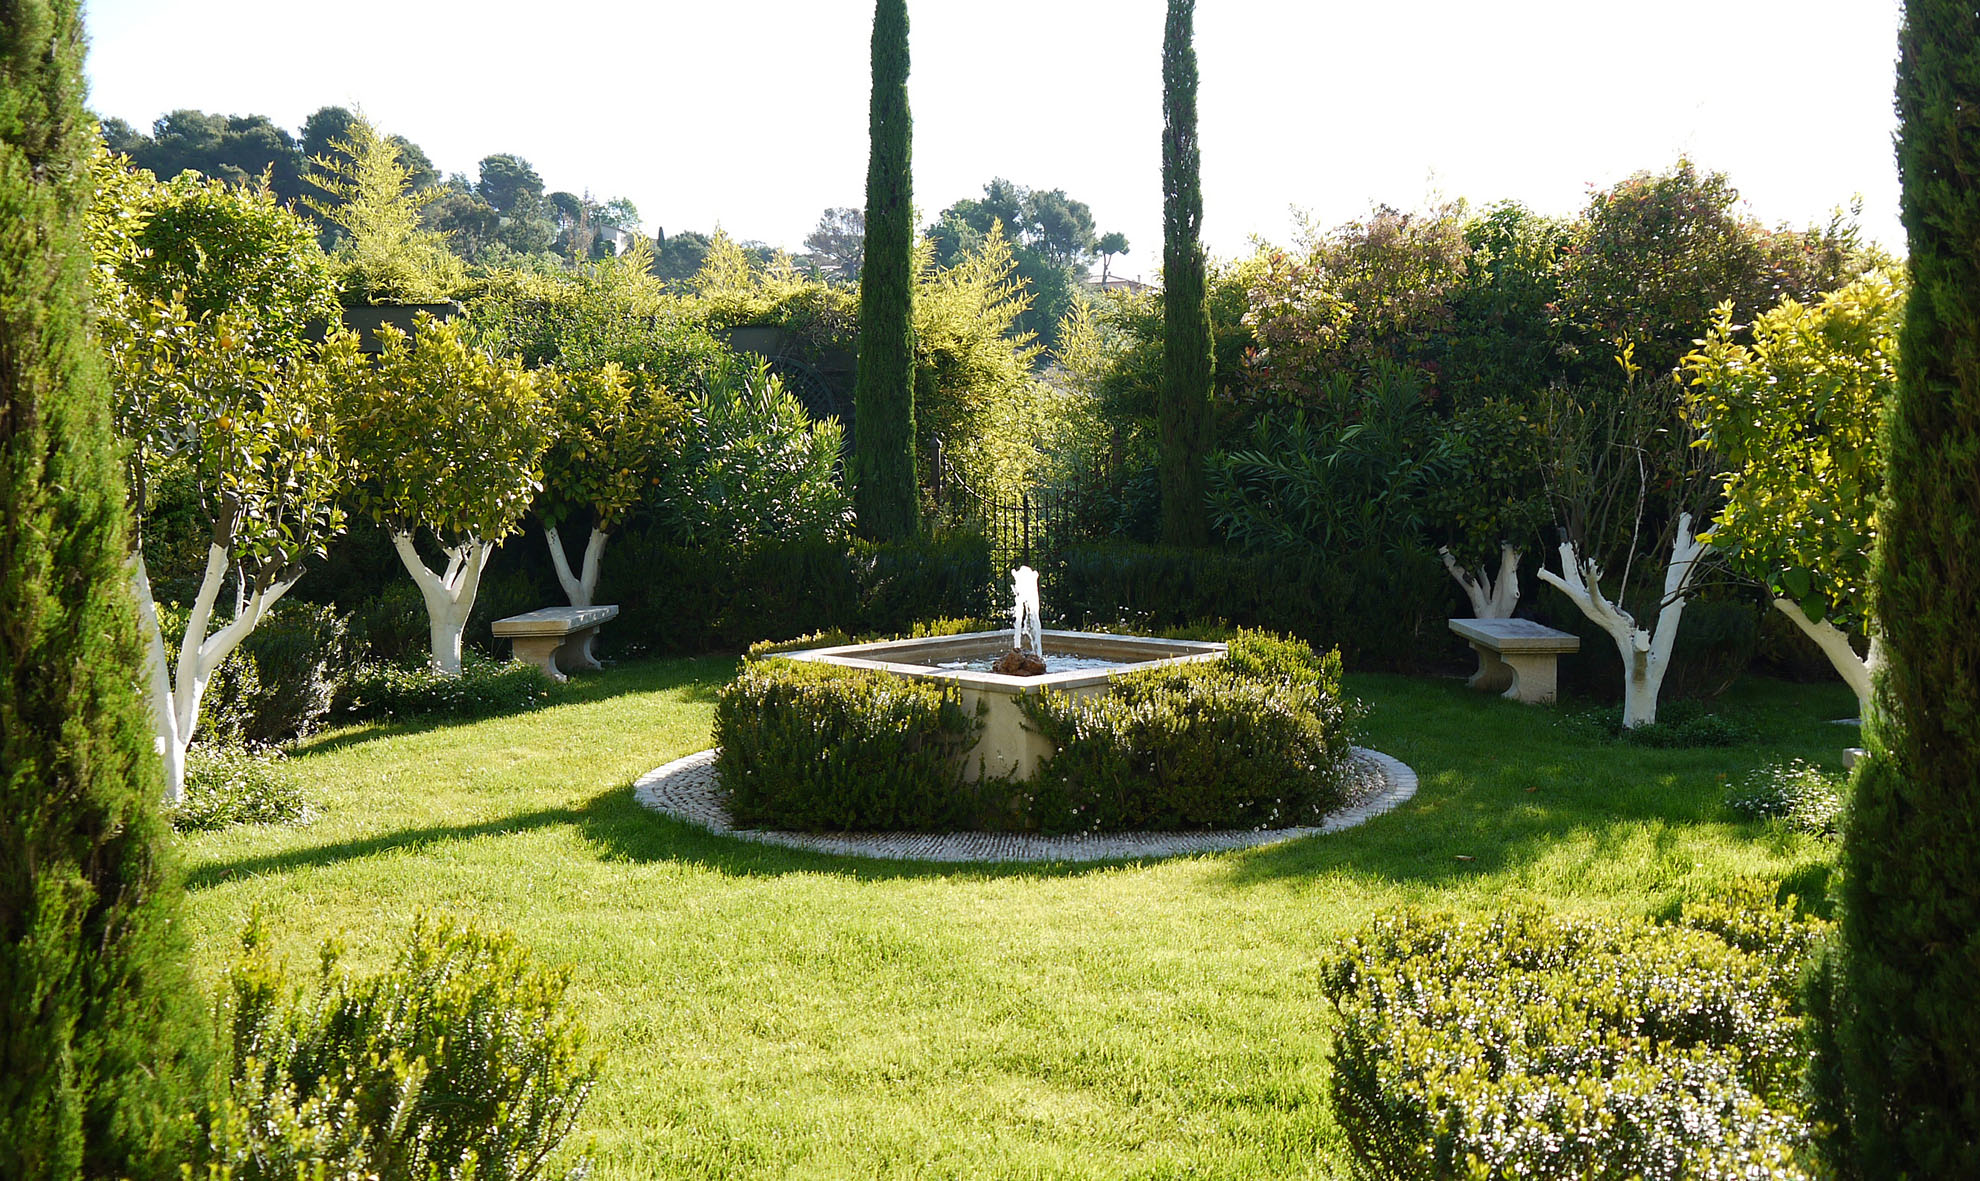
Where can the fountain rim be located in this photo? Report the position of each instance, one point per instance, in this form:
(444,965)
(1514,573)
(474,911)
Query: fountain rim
(1136,652)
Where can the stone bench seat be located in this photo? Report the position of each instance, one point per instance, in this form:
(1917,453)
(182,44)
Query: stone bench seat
(1516,656)
(555,639)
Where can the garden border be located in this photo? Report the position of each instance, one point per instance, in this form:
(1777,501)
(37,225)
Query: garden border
(687,790)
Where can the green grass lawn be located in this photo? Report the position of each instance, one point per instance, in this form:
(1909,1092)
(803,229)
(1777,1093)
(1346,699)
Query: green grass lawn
(765,1012)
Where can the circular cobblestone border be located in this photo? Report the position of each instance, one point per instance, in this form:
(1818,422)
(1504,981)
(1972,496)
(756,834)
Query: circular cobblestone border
(687,789)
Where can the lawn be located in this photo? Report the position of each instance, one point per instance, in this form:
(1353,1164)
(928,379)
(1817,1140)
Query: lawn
(769,1012)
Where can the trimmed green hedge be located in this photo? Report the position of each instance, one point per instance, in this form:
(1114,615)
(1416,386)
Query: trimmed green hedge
(1256,740)
(1531,1045)
(819,747)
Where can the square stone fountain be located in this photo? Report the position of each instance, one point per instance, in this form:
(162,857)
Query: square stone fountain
(1080,663)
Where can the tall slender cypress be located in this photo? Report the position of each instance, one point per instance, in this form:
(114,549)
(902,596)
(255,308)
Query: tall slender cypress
(1186,346)
(885,495)
(1899,1044)
(98,1019)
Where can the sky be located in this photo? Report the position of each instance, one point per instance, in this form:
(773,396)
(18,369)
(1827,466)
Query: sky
(751,114)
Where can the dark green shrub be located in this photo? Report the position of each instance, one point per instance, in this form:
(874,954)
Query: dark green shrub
(822,748)
(227,785)
(1258,740)
(484,688)
(1529,1045)
(282,681)
(460,1060)
(1381,610)
(937,574)
(1804,796)
(390,627)
(1897,1072)
(98,1057)
(1679,724)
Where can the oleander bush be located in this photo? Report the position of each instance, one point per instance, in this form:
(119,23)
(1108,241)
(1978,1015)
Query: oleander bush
(1798,793)
(818,747)
(1259,739)
(460,1061)
(1526,1044)
(484,688)
(229,785)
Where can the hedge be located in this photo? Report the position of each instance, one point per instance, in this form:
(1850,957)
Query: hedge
(1257,740)
(1530,1045)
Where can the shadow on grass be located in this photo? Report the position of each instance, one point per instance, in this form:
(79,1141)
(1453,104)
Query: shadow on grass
(698,680)
(1502,787)
(359,848)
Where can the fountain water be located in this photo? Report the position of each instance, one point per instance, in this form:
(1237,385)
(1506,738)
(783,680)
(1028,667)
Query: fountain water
(1025,621)
(990,676)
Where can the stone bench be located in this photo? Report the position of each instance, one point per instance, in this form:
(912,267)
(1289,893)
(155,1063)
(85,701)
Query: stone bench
(555,636)
(1518,656)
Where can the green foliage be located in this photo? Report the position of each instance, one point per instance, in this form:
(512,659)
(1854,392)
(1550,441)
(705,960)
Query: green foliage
(1492,490)
(1366,293)
(1352,476)
(387,256)
(1897,1076)
(752,466)
(1526,1044)
(1680,724)
(1187,358)
(234,149)
(881,468)
(1257,740)
(282,681)
(99,1056)
(446,437)
(207,294)
(461,1060)
(1799,793)
(818,747)
(1380,609)
(1656,253)
(229,785)
(1796,419)
(972,363)
(610,436)
(731,291)
(484,688)
(1502,340)
(612,311)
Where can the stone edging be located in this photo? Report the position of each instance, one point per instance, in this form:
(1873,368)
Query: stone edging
(686,789)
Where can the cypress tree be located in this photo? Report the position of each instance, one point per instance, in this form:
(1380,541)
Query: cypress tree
(1897,1030)
(885,495)
(1186,347)
(98,1021)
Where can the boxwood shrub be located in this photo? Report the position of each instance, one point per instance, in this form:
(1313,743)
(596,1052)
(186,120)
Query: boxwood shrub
(818,747)
(1532,1045)
(1256,740)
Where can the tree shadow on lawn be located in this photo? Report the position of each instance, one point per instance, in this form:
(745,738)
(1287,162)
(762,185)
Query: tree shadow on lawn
(1504,787)
(699,681)
(359,848)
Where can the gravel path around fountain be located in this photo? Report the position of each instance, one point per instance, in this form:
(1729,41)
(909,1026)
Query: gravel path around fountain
(687,789)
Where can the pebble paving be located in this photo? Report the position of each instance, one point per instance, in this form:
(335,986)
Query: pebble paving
(688,789)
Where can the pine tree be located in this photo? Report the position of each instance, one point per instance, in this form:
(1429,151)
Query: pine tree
(885,496)
(98,1023)
(1186,349)
(1898,1033)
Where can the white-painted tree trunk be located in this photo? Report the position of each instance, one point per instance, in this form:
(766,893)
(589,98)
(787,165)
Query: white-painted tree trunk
(1490,598)
(1646,653)
(1858,672)
(582,587)
(449,594)
(175,693)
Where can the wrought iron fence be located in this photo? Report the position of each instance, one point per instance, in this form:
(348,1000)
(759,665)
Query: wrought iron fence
(1032,528)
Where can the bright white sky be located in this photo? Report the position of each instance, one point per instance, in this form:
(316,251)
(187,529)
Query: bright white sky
(752,113)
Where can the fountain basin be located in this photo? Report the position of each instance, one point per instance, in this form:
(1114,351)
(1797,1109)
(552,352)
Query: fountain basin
(1008,746)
